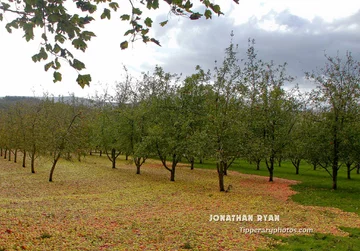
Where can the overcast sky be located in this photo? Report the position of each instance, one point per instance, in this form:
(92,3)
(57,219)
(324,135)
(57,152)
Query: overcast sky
(298,32)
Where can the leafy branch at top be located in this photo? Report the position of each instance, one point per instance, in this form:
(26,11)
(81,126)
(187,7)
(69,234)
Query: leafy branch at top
(59,25)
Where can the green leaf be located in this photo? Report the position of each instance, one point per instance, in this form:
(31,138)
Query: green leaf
(13,24)
(164,23)
(129,32)
(79,44)
(149,4)
(152,4)
(144,31)
(195,16)
(57,77)
(124,45)
(35,58)
(86,6)
(216,9)
(155,41)
(78,65)
(1,16)
(86,20)
(105,14)
(29,31)
(188,5)
(87,35)
(5,6)
(208,14)
(114,6)
(59,37)
(57,48)
(48,65)
(42,54)
(125,17)
(136,11)
(57,64)
(48,47)
(148,22)
(207,3)
(145,38)
(54,18)
(43,36)
(83,80)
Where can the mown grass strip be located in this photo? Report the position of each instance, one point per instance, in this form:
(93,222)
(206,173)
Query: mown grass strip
(315,186)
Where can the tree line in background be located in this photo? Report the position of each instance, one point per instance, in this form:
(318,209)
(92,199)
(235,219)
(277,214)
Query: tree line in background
(239,110)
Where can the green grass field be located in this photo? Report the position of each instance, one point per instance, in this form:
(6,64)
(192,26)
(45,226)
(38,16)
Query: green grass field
(315,186)
(314,189)
(90,206)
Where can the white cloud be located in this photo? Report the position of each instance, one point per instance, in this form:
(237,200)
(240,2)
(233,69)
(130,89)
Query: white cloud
(296,31)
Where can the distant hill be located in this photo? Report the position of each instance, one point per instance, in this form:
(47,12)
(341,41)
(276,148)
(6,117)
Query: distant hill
(9,100)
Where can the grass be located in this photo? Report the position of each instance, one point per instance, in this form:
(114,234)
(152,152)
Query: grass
(319,242)
(90,206)
(314,187)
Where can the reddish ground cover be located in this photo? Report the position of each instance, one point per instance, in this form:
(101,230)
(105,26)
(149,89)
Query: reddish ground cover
(92,207)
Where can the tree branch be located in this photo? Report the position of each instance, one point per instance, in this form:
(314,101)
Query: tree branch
(15,11)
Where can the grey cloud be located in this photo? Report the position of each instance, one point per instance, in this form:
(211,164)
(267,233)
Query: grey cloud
(291,21)
(302,45)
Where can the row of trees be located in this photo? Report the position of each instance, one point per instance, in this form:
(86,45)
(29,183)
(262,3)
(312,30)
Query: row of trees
(239,110)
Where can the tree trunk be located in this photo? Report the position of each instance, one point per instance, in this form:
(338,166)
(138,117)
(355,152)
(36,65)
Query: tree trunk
(225,168)
(335,171)
(113,157)
(258,164)
(5,153)
(335,168)
(1,152)
(296,164)
(358,168)
(270,167)
(100,153)
(192,160)
(24,159)
(32,163)
(138,169)
(53,167)
(348,167)
(15,156)
(172,174)
(315,166)
(138,162)
(32,155)
(335,161)
(220,170)
(173,167)
(9,155)
(271,174)
(126,156)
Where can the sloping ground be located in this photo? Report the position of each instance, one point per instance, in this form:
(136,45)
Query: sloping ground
(92,207)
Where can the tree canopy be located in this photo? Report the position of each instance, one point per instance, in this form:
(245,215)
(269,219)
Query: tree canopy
(63,22)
